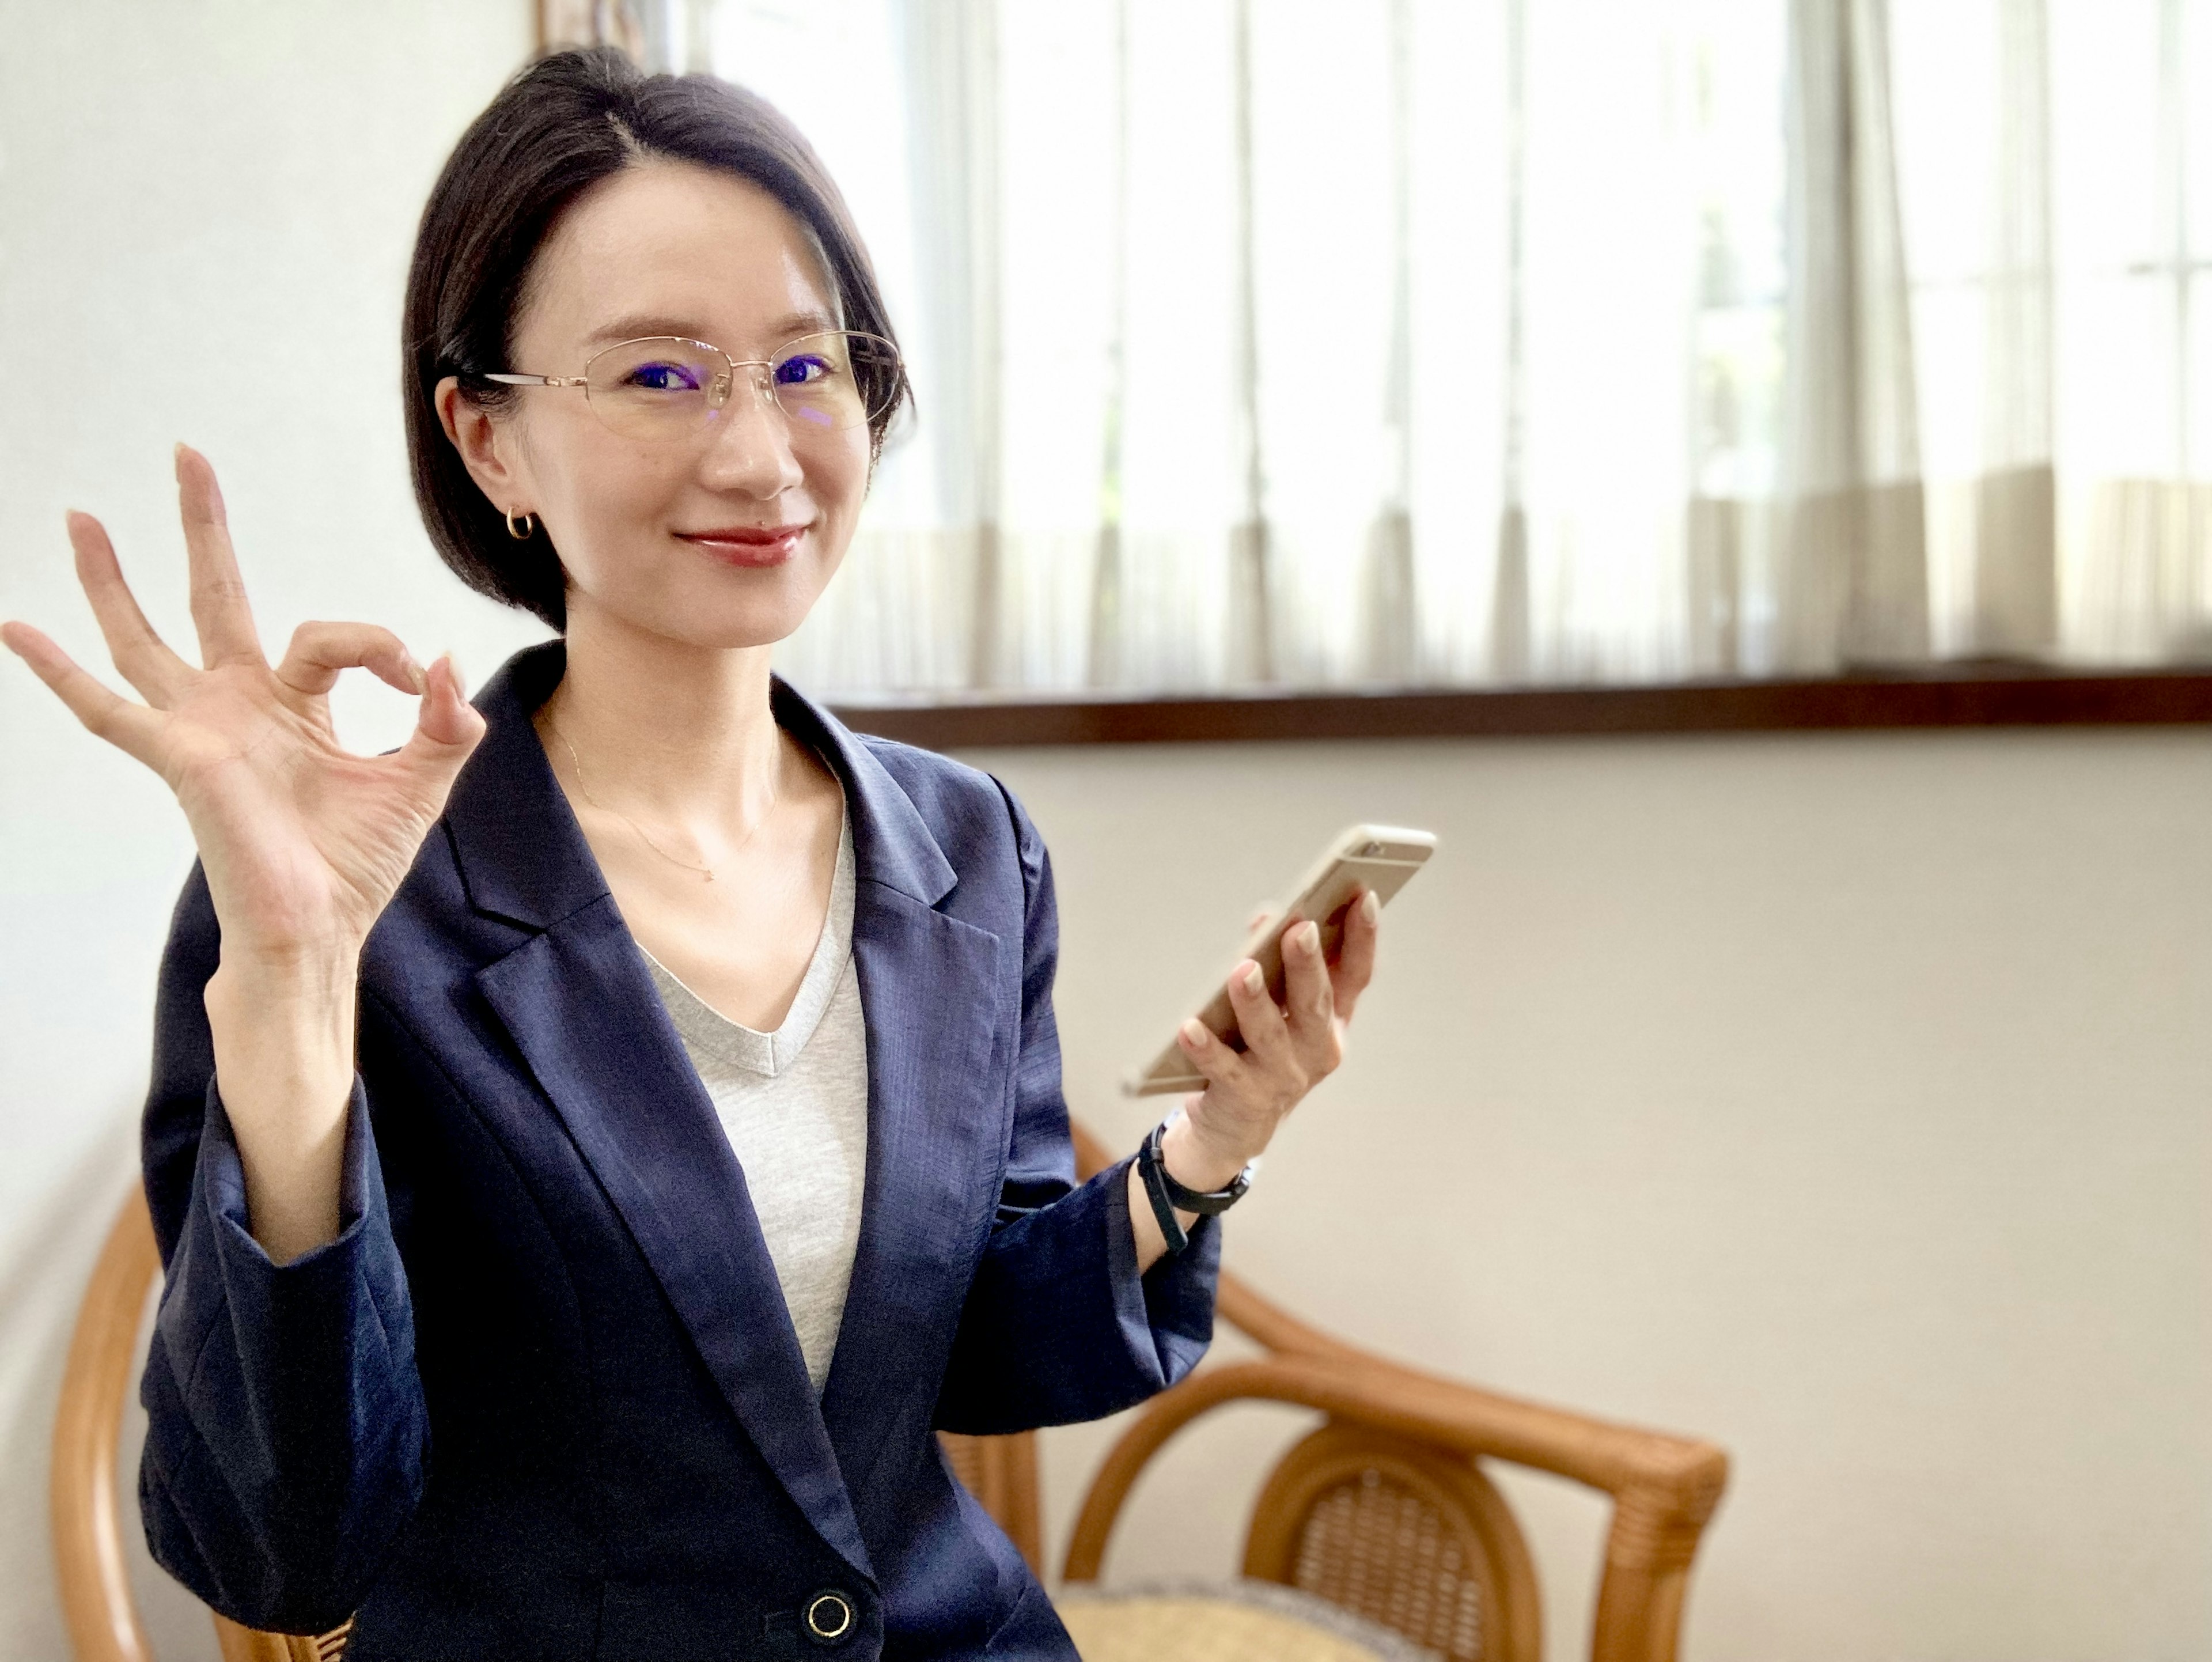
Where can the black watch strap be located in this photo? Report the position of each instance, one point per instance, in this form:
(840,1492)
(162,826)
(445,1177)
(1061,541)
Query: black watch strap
(1168,1196)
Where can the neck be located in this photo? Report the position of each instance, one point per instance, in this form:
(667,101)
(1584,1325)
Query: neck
(681,733)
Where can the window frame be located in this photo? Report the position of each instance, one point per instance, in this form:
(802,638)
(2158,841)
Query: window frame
(1993,695)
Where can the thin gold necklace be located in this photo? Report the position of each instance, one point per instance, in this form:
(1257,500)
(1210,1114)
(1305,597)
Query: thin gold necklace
(707,871)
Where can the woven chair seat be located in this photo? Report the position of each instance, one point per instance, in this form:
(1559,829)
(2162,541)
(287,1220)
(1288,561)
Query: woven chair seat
(1239,1621)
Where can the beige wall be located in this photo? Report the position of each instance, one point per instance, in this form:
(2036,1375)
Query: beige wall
(1841,1099)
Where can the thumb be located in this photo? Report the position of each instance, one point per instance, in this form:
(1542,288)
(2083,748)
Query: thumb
(447,728)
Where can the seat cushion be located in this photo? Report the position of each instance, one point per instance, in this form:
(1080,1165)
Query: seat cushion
(1223,1622)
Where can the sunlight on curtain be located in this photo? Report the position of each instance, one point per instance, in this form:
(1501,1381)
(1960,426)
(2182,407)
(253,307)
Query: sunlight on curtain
(1738,332)
(2058,185)
(1372,342)
(1381,342)
(2131,197)
(904,614)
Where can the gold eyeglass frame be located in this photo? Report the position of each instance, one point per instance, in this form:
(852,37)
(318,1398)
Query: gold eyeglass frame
(719,392)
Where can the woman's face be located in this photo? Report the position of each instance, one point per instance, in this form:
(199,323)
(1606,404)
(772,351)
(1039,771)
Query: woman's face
(670,248)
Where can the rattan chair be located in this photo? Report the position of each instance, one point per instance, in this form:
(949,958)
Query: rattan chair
(1384,1511)
(96,1602)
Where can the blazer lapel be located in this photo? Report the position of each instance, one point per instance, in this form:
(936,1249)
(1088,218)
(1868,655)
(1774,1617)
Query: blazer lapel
(940,1016)
(936,1133)
(578,1002)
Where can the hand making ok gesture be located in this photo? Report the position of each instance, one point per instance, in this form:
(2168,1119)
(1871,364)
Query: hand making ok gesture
(303,842)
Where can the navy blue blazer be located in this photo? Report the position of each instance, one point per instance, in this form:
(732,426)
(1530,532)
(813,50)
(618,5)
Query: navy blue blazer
(541,1397)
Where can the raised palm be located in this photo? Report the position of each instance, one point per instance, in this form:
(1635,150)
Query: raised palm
(303,841)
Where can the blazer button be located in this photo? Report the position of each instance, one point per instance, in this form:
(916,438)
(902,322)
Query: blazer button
(829,1617)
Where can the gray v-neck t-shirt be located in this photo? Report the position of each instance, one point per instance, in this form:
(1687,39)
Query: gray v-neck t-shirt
(794,1106)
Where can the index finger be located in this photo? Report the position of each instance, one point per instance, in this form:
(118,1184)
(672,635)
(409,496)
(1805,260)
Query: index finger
(220,612)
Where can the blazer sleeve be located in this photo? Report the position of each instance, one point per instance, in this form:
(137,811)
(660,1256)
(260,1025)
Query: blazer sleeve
(1058,1325)
(286,1431)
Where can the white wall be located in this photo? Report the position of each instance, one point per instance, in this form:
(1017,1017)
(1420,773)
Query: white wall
(1839,1100)
(205,211)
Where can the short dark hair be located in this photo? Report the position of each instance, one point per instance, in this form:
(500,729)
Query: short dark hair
(567,121)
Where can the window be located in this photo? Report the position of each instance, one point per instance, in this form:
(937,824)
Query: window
(1417,342)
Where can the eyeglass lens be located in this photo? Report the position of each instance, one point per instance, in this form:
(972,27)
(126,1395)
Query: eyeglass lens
(666,387)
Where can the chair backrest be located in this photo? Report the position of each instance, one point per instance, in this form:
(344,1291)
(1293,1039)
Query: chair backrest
(1384,1527)
(96,1587)
(102,1617)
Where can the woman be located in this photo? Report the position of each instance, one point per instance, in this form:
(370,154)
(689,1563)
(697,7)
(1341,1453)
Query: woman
(596,1146)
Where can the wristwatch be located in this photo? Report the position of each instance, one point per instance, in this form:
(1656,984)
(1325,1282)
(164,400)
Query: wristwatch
(1168,1196)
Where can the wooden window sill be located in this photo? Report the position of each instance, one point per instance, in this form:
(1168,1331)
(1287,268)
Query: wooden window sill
(1953,696)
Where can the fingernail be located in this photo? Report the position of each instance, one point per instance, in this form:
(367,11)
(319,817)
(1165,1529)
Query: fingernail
(460,681)
(1193,1033)
(1309,938)
(1371,906)
(1254,980)
(417,674)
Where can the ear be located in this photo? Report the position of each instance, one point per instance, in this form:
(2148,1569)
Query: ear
(484,444)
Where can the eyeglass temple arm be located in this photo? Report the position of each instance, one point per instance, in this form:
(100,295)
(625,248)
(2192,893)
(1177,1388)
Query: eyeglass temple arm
(537,381)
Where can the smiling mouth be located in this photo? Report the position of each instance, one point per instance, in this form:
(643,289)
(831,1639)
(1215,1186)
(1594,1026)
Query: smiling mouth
(748,545)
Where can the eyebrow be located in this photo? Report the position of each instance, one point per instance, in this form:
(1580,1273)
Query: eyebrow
(787,327)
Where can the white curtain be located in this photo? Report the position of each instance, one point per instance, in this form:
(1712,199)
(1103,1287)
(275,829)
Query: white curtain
(1375,343)
(1852,587)
(2058,189)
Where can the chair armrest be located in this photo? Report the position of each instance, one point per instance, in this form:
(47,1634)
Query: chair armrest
(1664,1487)
(1670,1484)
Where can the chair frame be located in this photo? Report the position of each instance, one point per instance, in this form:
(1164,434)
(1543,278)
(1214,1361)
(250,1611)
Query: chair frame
(82,1494)
(1508,1614)
(1664,1487)
(101,1616)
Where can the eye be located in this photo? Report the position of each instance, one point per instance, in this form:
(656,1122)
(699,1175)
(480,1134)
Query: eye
(662,376)
(803,369)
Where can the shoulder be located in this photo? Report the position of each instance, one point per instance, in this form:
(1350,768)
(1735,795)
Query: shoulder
(1002,873)
(963,806)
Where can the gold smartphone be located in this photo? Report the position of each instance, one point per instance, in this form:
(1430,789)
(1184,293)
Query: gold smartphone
(1383,858)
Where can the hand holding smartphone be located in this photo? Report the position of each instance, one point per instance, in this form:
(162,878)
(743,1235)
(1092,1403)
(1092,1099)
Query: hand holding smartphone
(1383,858)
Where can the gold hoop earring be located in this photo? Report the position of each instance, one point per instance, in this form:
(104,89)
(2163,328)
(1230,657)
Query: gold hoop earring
(526,531)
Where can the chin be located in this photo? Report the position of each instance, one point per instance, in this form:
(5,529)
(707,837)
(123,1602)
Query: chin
(762,617)
(721,609)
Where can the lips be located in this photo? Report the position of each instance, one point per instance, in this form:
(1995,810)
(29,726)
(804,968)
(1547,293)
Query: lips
(748,545)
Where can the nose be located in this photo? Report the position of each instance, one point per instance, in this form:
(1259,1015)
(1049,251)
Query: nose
(749,447)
